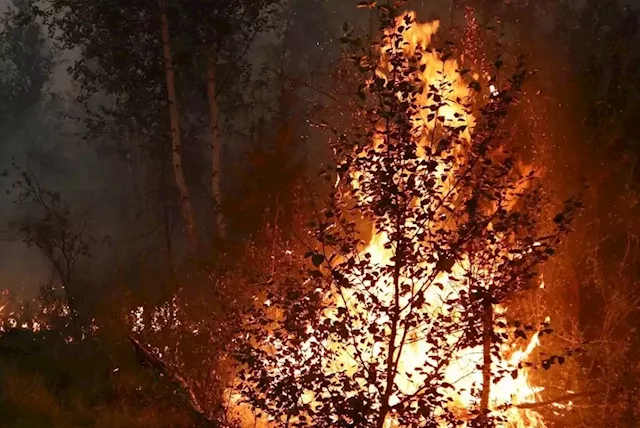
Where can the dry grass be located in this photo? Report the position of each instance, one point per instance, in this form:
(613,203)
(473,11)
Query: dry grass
(26,401)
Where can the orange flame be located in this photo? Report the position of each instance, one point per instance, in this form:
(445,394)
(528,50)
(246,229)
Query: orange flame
(464,369)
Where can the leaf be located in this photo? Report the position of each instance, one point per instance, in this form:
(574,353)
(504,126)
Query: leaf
(317,259)
(316,274)
(445,264)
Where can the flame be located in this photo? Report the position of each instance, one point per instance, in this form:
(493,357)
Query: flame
(24,315)
(465,367)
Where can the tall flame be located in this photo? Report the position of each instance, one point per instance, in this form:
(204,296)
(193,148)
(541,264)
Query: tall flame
(464,370)
(464,367)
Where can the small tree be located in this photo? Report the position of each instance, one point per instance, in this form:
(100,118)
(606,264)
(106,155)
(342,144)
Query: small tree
(407,329)
(48,226)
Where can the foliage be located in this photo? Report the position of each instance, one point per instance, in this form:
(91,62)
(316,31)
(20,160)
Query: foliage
(594,46)
(48,226)
(125,65)
(188,334)
(26,61)
(46,382)
(422,211)
(454,219)
(268,183)
(608,70)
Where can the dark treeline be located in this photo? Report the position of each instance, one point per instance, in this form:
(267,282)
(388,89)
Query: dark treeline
(183,175)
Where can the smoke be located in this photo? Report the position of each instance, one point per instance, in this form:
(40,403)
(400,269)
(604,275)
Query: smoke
(96,186)
(44,139)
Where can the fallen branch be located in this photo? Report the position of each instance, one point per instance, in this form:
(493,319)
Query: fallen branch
(160,366)
(556,400)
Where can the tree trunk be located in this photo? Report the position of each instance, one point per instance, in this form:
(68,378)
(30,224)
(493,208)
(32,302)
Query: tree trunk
(167,218)
(487,342)
(392,360)
(176,145)
(216,147)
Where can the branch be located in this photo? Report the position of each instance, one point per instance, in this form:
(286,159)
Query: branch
(555,400)
(164,370)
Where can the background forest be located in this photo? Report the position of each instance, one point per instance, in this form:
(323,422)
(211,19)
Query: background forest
(162,161)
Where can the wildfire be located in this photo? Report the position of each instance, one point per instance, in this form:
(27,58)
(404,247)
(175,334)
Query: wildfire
(17,314)
(464,369)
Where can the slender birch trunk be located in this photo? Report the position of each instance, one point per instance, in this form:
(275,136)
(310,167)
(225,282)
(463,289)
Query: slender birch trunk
(176,145)
(216,147)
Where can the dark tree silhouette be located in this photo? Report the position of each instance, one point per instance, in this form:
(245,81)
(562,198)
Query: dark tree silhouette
(25,61)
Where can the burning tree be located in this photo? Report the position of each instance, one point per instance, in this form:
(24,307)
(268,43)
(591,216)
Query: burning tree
(410,328)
